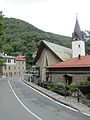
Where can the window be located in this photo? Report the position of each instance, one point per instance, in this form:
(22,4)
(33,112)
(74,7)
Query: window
(79,46)
(46,61)
(15,67)
(9,67)
(9,60)
(5,67)
(22,67)
(14,61)
(5,60)
(14,73)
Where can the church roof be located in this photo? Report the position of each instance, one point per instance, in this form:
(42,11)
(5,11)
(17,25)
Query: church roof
(61,52)
(78,34)
(82,61)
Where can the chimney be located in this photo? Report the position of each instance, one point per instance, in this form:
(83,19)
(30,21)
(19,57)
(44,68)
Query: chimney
(79,57)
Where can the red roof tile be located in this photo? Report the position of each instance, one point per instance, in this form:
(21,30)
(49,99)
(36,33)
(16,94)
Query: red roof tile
(20,58)
(84,61)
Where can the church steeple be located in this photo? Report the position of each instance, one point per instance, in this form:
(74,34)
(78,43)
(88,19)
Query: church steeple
(78,44)
(77,34)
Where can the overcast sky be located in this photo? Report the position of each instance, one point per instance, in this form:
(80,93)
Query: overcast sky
(56,16)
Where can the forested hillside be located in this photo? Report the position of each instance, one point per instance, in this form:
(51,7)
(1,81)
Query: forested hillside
(22,38)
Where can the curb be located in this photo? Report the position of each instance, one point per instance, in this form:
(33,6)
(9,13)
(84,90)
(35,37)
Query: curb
(49,95)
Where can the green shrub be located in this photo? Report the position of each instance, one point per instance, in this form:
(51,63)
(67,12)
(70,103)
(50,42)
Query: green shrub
(72,87)
(83,82)
(59,88)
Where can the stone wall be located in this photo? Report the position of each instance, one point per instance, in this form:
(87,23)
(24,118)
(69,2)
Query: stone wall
(75,77)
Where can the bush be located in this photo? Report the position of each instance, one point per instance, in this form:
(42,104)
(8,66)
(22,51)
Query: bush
(60,89)
(83,82)
(88,78)
(50,86)
(72,87)
(85,89)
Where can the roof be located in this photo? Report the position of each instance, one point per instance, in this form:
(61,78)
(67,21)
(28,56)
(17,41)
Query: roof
(78,34)
(20,58)
(6,56)
(61,52)
(83,61)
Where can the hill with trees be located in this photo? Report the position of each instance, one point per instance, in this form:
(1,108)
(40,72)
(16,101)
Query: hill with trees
(22,38)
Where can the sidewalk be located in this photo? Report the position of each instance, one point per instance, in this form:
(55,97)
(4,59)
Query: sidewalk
(69,101)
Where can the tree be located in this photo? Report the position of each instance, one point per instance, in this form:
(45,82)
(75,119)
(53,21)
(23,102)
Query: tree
(1,31)
(1,39)
(87,42)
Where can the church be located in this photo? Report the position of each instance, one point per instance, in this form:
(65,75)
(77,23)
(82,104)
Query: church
(61,64)
(78,67)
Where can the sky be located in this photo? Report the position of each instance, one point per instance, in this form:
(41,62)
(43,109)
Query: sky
(56,16)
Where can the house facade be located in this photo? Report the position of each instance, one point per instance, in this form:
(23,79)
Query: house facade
(50,53)
(72,70)
(12,65)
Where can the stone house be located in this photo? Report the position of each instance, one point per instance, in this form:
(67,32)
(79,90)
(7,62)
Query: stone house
(20,65)
(12,65)
(72,70)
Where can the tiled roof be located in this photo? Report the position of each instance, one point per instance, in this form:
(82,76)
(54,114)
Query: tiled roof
(83,61)
(61,51)
(20,58)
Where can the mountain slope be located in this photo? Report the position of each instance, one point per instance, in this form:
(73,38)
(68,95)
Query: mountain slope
(21,38)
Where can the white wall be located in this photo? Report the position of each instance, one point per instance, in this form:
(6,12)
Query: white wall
(78,48)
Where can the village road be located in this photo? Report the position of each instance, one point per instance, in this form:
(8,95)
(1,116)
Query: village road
(20,102)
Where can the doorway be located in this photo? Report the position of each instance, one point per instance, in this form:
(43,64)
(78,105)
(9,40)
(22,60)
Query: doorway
(68,79)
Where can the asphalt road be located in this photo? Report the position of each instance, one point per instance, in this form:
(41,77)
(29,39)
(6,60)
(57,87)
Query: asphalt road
(20,102)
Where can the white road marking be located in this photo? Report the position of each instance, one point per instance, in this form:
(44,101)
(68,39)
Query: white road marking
(50,98)
(86,114)
(54,100)
(22,102)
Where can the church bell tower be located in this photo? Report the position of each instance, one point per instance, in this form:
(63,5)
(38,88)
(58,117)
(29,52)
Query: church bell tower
(78,43)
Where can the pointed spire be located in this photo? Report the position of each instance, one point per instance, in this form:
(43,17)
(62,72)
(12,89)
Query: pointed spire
(77,35)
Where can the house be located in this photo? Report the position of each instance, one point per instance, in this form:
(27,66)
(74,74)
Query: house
(50,53)
(75,69)
(12,65)
(20,65)
(72,70)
